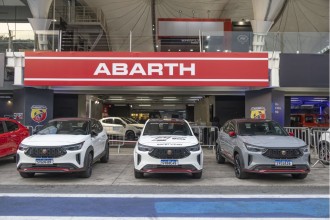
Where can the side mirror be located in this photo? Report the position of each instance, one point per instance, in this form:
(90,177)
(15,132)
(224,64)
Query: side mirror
(291,134)
(232,134)
(93,133)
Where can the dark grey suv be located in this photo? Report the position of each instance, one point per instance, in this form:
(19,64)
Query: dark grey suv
(262,146)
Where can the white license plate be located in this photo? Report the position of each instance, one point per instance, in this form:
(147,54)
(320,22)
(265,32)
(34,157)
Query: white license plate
(283,163)
(44,161)
(169,162)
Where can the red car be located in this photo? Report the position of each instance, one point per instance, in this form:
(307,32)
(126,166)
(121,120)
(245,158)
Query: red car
(11,135)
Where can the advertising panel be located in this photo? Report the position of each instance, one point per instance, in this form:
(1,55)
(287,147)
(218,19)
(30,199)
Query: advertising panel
(145,69)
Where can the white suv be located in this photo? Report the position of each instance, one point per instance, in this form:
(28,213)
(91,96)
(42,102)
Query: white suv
(132,129)
(64,145)
(168,146)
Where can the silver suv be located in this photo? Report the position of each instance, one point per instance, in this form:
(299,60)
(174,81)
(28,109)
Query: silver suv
(262,146)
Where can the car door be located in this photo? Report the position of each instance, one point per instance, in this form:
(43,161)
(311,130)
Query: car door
(98,140)
(228,142)
(3,140)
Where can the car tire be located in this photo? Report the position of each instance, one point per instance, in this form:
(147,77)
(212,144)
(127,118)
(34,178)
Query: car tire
(324,152)
(197,175)
(89,166)
(130,135)
(26,175)
(105,157)
(299,176)
(239,173)
(220,159)
(138,175)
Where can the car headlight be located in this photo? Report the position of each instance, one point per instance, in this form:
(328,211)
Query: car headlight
(196,147)
(253,148)
(144,148)
(74,146)
(23,147)
(304,149)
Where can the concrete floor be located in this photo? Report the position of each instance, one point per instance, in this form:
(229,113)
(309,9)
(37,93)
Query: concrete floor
(119,172)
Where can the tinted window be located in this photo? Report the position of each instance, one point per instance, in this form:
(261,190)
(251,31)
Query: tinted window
(11,126)
(2,130)
(167,128)
(108,121)
(260,128)
(118,122)
(76,127)
(99,127)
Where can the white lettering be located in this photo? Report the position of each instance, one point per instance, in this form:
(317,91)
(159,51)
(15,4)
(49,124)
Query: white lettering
(155,68)
(137,69)
(191,69)
(170,68)
(119,69)
(102,68)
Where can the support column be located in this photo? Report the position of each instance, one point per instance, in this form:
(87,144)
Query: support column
(265,11)
(35,104)
(40,22)
(266,103)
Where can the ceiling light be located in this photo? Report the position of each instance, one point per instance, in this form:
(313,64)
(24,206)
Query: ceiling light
(116,99)
(144,105)
(196,97)
(169,97)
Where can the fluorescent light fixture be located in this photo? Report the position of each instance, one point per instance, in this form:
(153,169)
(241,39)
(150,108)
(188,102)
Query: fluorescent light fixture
(144,105)
(169,97)
(116,99)
(191,105)
(320,98)
(196,97)
(294,98)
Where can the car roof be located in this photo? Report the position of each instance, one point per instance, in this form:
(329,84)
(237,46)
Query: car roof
(166,120)
(238,120)
(72,119)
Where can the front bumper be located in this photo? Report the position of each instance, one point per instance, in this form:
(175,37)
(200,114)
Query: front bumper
(72,161)
(258,163)
(143,162)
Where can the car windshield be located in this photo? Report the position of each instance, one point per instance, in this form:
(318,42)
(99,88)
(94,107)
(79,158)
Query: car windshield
(167,128)
(260,128)
(72,127)
(130,121)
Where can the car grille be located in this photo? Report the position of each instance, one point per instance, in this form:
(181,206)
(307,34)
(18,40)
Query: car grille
(45,152)
(283,153)
(169,153)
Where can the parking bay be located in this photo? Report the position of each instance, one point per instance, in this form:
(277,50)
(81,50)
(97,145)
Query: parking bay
(117,177)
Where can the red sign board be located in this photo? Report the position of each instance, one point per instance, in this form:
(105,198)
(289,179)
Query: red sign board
(145,69)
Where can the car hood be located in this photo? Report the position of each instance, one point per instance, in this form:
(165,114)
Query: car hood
(168,141)
(273,141)
(54,139)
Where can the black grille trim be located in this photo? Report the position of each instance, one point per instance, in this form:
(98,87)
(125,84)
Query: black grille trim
(45,152)
(163,153)
(277,153)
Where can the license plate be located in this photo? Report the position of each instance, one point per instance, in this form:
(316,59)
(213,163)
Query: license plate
(44,161)
(283,163)
(169,162)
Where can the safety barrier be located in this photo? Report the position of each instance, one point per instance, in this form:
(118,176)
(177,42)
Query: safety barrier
(321,141)
(116,140)
(207,135)
(302,133)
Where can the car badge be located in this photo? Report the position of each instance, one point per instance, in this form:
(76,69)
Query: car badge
(44,151)
(283,152)
(169,152)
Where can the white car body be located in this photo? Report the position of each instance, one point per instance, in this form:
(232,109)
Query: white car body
(51,150)
(132,129)
(113,130)
(168,153)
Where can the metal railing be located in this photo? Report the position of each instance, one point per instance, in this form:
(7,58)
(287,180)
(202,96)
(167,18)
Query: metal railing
(207,135)
(321,141)
(302,133)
